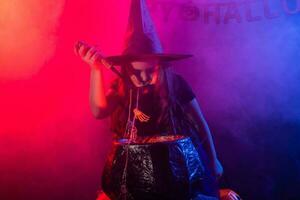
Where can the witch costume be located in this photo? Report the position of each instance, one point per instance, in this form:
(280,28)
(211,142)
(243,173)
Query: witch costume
(156,153)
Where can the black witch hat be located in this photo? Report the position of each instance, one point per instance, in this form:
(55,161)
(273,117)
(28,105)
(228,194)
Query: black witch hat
(142,42)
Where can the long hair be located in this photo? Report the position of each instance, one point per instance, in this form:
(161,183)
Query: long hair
(163,88)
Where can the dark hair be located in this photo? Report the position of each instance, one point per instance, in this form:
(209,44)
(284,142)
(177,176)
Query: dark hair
(163,89)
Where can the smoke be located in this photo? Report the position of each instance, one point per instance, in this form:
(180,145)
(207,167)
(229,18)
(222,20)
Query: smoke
(245,58)
(50,145)
(245,72)
(27,36)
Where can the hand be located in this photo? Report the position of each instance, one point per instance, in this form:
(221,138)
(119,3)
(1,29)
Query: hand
(227,194)
(217,169)
(91,55)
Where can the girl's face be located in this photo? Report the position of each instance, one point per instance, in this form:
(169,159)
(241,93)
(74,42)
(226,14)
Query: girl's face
(144,72)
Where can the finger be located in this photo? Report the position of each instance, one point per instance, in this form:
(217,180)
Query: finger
(99,52)
(77,46)
(144,117)
(88,55)
(233,195)
(141,118)
(83,50)
(91,52)
(95,57)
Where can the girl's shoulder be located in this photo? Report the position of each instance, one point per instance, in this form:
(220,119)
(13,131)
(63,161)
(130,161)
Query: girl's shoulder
(183,91)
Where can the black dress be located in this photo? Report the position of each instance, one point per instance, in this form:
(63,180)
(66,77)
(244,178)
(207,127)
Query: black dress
(168,167)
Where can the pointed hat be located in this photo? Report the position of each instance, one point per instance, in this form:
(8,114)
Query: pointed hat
(142,41)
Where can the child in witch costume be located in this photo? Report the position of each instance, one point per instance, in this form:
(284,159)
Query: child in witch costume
(163,148)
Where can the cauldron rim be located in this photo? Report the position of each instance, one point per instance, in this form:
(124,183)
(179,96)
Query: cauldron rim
(151,140)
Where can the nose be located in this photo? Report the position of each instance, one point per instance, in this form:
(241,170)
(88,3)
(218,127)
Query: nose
(144,76)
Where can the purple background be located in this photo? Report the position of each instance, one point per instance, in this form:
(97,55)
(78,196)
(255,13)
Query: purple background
(245,72)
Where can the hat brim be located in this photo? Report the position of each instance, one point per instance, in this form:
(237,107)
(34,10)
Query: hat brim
(123,59)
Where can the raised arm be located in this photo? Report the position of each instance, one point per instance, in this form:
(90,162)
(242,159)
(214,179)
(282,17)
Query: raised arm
(98,102)
(101,103)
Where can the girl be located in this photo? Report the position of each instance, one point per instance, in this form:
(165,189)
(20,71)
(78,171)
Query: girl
(167,106)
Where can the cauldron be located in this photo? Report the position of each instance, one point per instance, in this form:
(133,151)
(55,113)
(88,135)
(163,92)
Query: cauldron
(159,167)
